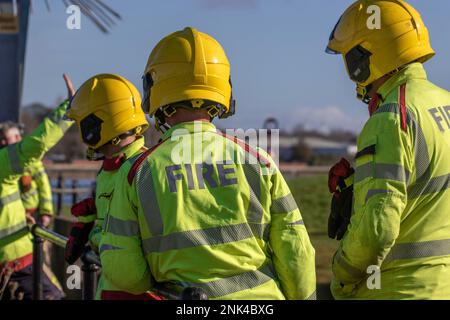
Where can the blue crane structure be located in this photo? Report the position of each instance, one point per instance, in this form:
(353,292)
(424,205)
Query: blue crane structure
(14,15)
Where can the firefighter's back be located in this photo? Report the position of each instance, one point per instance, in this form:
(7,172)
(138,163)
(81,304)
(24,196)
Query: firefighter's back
(206,223)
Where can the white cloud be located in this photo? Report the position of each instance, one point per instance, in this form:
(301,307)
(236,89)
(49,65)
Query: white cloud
(325,118)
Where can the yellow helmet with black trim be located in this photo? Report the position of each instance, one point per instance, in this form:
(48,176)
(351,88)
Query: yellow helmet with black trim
(105,107)
(377,37)
(188,66)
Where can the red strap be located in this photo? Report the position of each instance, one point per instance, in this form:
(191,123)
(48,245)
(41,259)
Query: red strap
(140,159)
(373,104)
(121,295)
(402,102)
(248,149)
(113,163)
(20,263)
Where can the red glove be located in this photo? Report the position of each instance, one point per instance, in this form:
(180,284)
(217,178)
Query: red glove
(338,173)
(341,203)
(84,208)
(79,234)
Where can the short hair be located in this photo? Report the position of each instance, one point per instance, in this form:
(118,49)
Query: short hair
(8,125)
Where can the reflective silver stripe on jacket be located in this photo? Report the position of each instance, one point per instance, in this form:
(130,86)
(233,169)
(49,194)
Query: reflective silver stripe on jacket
(382,171)
(313,296)
(417,250)
(38,174)
(124,228)
(253,175)
(14,158)
(28,195)
(204,237)
(148,199)
(348,268)
(374,192)
(9,199)
(421,155)
(284,204)
(243,281)
(11,230)
(434,185)
(106,247)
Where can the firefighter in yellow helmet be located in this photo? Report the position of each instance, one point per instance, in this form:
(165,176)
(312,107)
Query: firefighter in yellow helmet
(208,220)
(397,245)
(107,110)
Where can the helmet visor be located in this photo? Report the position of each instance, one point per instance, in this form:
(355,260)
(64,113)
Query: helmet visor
(147,83)
(358,64)
(91,128)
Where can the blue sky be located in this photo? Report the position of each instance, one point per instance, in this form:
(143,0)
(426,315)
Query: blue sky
(276,50)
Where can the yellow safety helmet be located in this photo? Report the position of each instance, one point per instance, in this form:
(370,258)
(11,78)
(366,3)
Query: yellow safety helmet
(188,66)
(105,107)
(377,37)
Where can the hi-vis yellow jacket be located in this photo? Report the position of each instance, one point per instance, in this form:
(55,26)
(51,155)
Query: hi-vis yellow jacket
(14,236)
(38,194)
(195,212)
(104,192)
(401,219)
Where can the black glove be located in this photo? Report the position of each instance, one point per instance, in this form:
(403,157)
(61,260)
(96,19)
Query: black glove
(341,212)
(340,184)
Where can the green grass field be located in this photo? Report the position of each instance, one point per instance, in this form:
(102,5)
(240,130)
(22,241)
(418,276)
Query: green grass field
(313,199)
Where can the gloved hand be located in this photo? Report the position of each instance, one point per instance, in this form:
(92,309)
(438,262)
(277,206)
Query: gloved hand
(86,213)
(84,208)
(340,184)
(79,236)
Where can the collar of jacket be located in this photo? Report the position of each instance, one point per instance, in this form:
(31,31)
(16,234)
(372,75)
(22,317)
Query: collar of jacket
(124,154)
(184,128)
(412,71)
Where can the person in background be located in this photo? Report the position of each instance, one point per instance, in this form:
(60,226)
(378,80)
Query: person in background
(16,249)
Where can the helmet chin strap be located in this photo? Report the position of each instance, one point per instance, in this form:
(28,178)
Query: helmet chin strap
(94,155)
(362,93)
(168,111)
